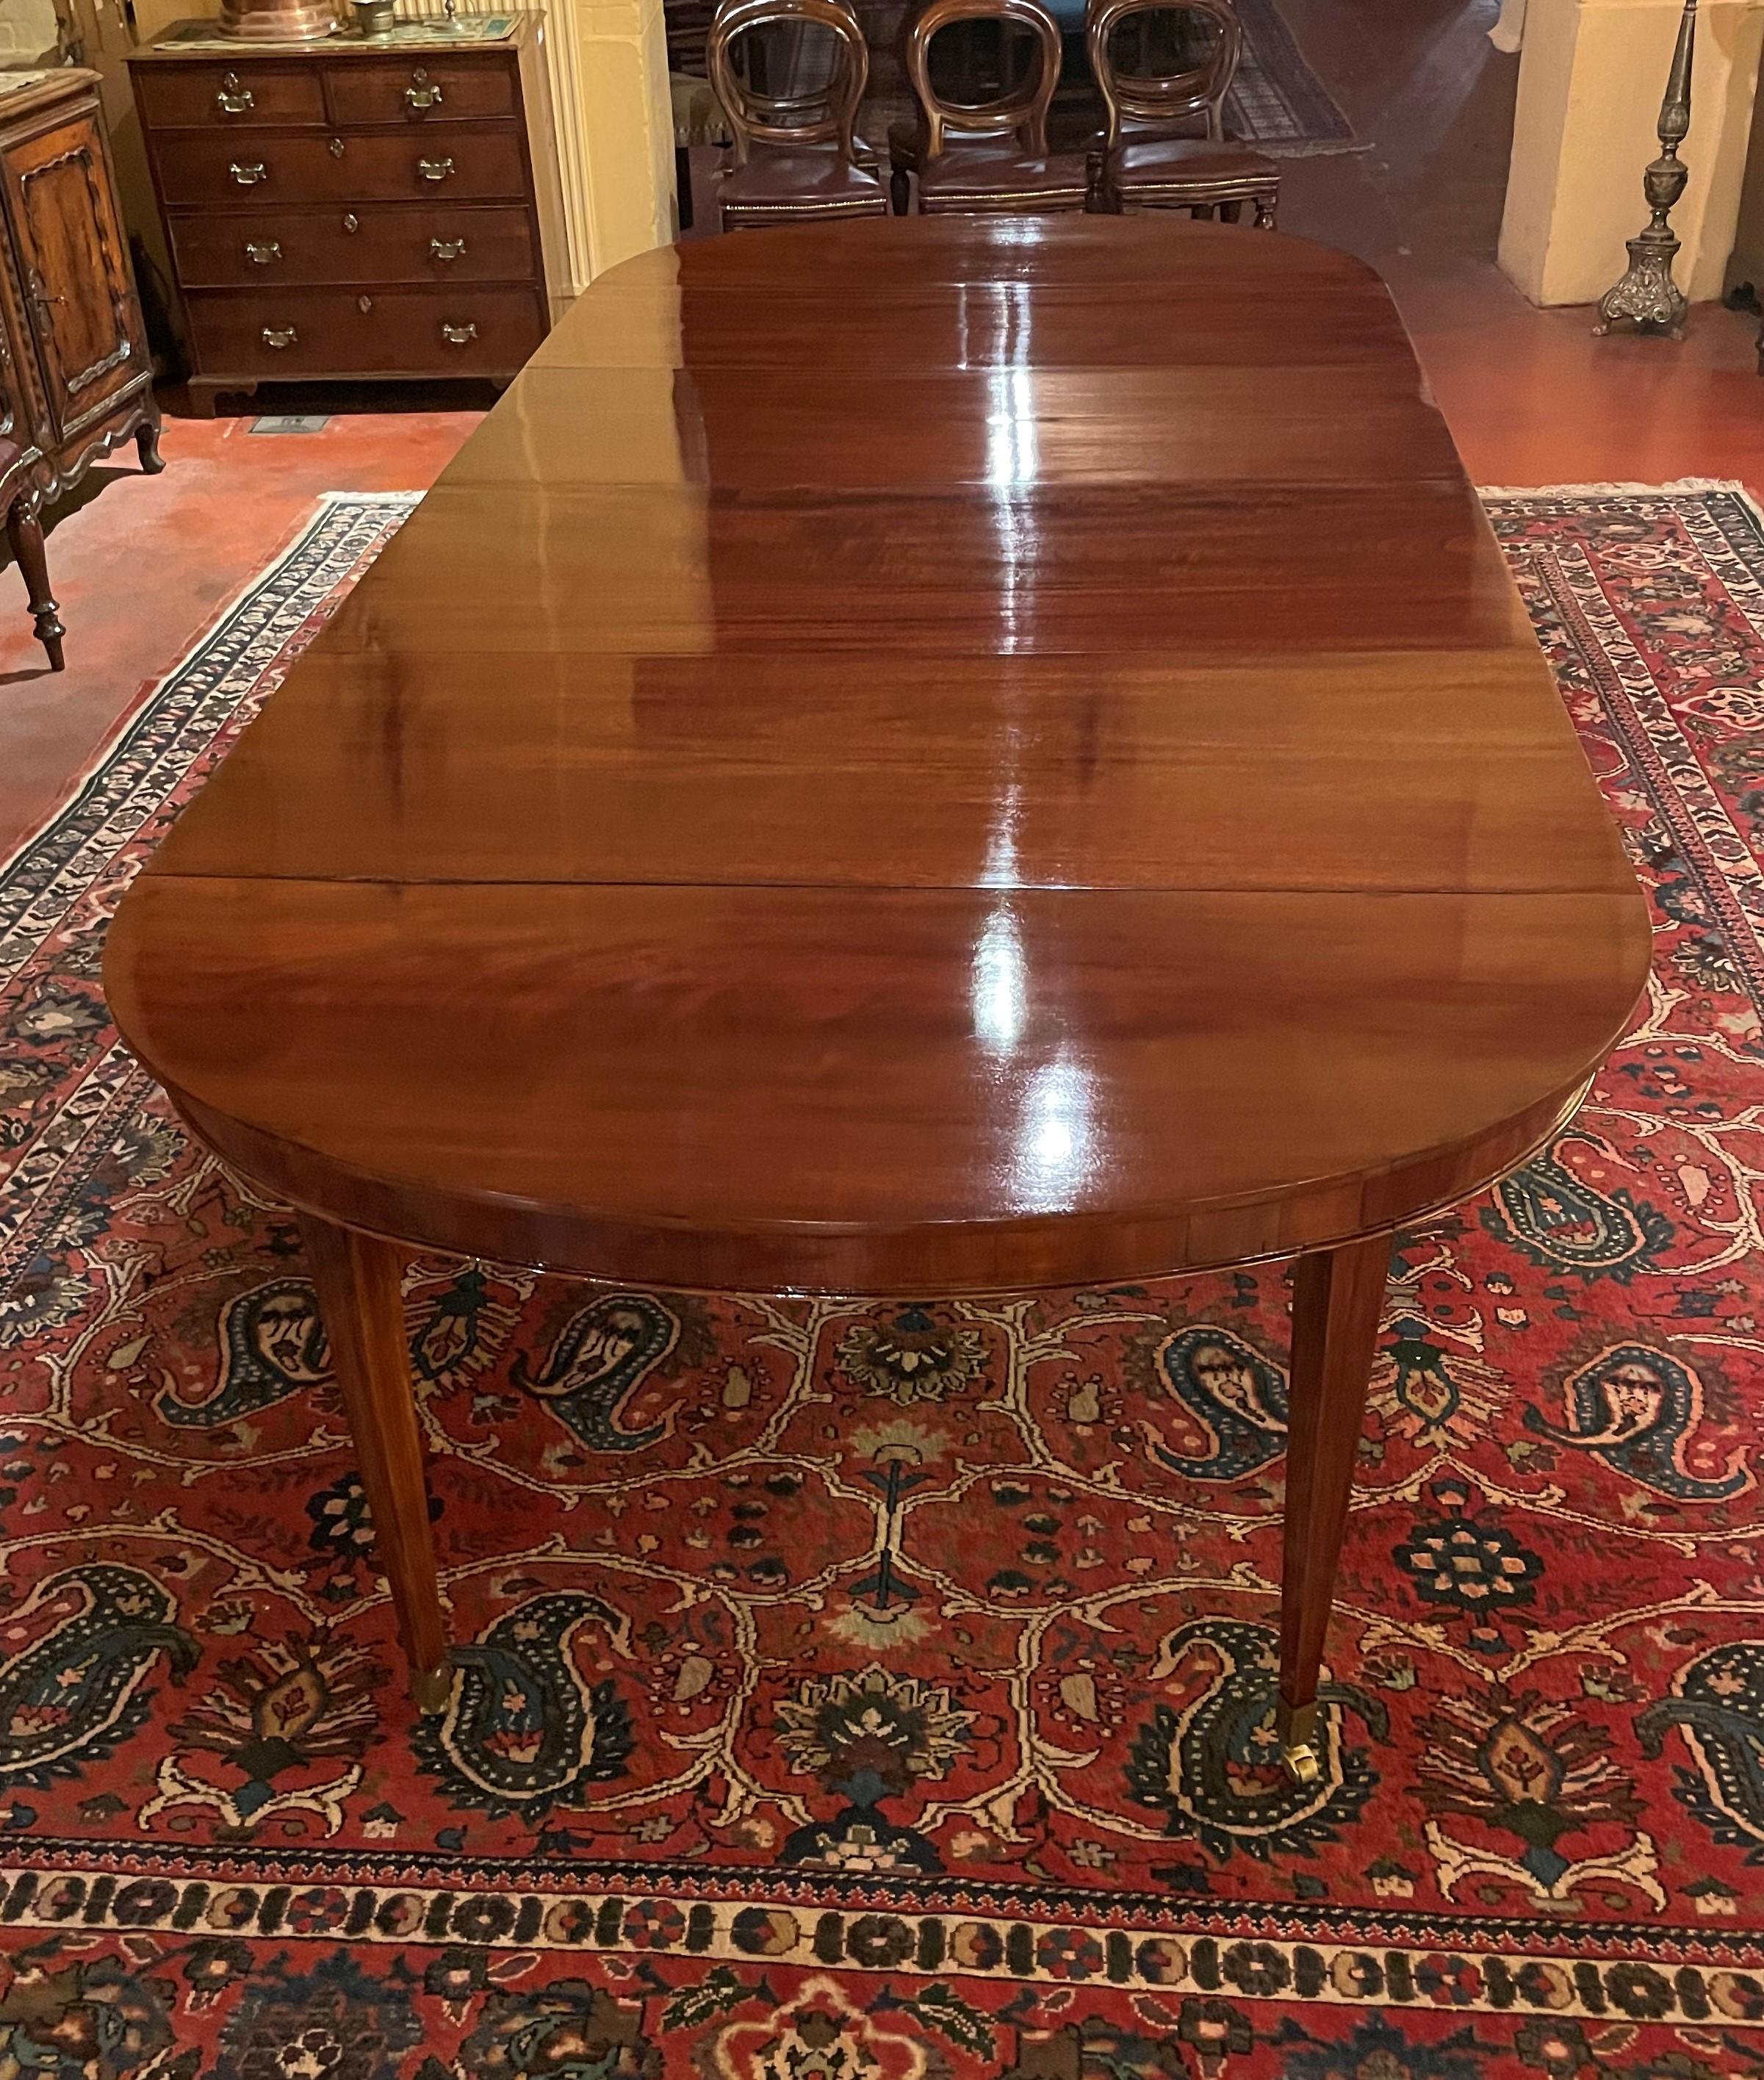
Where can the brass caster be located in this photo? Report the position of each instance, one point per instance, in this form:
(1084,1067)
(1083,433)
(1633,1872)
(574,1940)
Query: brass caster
(1295,1726)
(1301,1763)
(431,1687)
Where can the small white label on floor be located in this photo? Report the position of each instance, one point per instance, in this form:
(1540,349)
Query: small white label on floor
(289,422)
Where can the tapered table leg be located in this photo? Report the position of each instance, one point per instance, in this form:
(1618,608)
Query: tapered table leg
(1336,1294)
(358,1281)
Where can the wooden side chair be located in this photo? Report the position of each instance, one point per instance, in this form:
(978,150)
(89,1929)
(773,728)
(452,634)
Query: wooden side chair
(991,157)
(795,159)
(1148,161)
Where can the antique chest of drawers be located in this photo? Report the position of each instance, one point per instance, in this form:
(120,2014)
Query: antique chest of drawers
(357,206)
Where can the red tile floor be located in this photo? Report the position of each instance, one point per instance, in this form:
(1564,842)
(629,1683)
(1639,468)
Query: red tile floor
(140,564)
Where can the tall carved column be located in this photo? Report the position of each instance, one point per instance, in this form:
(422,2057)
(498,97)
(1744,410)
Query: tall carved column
(1648,297)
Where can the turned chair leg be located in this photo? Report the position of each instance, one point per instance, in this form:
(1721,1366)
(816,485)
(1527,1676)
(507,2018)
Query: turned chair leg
(358,1291)
(24,531)
(1337,1296)
(147,447)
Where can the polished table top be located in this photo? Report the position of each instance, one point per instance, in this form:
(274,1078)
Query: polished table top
(904,757)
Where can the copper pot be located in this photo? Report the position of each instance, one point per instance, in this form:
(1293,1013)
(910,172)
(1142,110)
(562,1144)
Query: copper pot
(277,21)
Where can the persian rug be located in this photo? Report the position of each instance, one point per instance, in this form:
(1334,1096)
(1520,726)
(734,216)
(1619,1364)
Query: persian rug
(873,1691)
(1276,101)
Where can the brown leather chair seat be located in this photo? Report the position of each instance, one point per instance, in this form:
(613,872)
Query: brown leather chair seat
(1159,161)
(1190,173)
(996,173)
(788,184)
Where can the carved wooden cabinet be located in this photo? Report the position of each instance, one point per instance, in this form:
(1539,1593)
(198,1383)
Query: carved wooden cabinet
(75,377)
(357,206)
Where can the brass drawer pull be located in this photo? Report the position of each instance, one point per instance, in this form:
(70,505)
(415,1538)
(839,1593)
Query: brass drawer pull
(233,97)
(248,173)
(262,252)
(337,148)
(351,221)
(279,336)
(422,94)
(435,170)
(446,249)
(458,335)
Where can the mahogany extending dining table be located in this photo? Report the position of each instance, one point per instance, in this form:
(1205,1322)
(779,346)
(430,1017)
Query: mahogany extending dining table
(904,759)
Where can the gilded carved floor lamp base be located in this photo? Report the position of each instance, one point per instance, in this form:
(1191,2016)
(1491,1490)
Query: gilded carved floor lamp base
(1337,1296)
(1647,297)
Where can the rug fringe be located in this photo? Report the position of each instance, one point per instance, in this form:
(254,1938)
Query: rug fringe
(1677,483)
(1310,148)
(412,498)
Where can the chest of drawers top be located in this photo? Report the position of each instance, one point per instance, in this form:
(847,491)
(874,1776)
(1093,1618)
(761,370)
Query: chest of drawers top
(193,80)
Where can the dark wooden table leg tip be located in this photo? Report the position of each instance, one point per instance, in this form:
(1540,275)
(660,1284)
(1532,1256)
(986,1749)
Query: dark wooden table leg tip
(431,1687)
(1295,1726)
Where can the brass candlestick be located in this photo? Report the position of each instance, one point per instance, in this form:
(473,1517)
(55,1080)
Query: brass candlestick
(1647,296)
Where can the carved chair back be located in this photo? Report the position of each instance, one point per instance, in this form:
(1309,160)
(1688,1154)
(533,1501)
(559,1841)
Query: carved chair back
(1022,108)
(826,115)
(1163,98)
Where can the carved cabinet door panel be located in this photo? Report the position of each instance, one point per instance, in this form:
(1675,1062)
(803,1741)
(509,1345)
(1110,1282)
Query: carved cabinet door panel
(24,415)
(74,263)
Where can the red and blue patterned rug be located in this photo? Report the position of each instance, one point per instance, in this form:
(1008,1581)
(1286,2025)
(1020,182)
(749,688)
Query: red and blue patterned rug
(867,1692)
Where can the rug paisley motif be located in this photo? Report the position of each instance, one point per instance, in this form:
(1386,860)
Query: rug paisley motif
(879,1691)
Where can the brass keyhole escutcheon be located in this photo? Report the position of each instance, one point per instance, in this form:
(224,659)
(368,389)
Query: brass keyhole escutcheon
(337,148)
(351,221)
